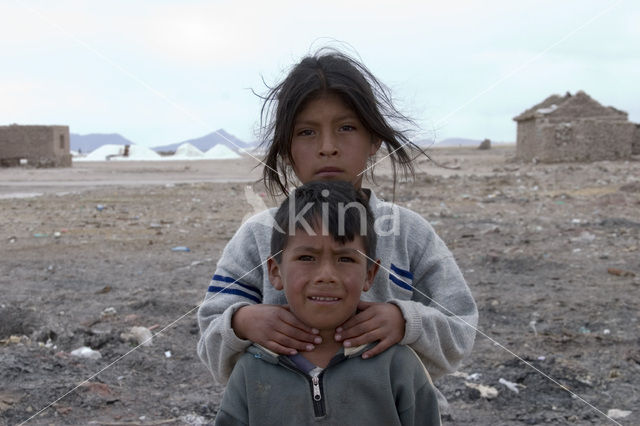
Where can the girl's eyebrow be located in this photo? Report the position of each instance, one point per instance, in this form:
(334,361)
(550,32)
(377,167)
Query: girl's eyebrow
(348,116)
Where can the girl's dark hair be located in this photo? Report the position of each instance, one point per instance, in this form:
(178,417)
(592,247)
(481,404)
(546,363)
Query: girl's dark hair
(333,208)
(329,71)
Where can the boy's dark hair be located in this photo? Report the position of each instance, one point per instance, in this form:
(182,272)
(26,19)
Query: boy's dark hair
(335,208)
(329,72)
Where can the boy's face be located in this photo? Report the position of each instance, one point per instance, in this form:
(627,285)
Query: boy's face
(322,278)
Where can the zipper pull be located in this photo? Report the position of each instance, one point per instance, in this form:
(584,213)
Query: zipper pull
(316,388)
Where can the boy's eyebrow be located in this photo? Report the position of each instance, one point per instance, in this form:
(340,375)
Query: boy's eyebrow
(316,250)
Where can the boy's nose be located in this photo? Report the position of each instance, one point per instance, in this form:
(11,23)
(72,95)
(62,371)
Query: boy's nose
(325,274)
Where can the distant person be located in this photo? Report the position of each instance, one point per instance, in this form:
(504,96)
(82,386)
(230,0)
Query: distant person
(321,258)
(326,121)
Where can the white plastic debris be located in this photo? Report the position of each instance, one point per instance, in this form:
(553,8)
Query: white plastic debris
(487,392)
(108,312)
(167,354)
(142,335)
(473,377)
(614,413)
(86,352)
(606,331)
(510,385)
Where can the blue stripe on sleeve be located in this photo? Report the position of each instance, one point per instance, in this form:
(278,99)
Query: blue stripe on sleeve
(400,283)
(231,280)
(401,272)
(215,289)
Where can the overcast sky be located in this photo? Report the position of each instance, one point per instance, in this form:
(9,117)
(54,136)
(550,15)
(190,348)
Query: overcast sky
(160,72)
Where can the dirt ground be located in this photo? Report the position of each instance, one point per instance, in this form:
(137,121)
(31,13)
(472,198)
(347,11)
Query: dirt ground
(551,253)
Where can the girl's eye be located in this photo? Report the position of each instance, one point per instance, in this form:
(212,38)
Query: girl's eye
(305,132)
(347,128)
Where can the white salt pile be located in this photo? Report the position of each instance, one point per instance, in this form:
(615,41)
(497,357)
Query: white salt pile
(220,152)
(186,151)
(110,152)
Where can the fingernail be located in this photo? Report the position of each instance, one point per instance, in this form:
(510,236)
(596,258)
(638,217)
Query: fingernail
(338,337)
(315,331)
(293,352)
(365,356)
(310,348)
(347,344)
(317,340)
(339,330)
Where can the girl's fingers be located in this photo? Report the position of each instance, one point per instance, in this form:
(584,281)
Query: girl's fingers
(279,349)
(363,339)
(290,333)
(288,318)
(382,346)
(354,326)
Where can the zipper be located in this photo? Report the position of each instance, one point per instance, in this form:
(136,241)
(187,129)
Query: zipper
(318,403)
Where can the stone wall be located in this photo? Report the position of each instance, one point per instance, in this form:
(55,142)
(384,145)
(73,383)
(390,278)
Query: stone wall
(579,140)
(40,146)
(635,146)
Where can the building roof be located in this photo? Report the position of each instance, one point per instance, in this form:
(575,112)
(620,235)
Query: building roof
(570,106)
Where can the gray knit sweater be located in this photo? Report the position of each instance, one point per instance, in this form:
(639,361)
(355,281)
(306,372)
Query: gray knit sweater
(417,273)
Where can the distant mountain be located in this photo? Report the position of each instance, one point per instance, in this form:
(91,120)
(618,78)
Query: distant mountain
(87,143)
(206,142)
(458,142)
(430,143)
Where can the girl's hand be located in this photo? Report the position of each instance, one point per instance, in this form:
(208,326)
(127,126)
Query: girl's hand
(376,321)
(275,328)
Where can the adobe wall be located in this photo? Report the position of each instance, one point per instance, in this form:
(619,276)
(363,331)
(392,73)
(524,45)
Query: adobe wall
(526,140)
(46,146)
(583,140)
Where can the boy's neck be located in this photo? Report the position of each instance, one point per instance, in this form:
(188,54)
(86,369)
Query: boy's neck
(324,351)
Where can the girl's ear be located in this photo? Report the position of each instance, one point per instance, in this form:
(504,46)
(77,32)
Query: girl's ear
(375,146)
(371,274)
(275,276)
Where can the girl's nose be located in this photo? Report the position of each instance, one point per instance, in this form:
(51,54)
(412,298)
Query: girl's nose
(328,146)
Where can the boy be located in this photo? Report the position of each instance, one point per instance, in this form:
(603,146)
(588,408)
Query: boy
(321,248)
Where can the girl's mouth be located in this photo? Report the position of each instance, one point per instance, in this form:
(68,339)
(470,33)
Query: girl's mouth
(328,172)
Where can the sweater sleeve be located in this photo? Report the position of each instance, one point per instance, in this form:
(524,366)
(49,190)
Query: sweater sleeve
(441,317)
(238,281)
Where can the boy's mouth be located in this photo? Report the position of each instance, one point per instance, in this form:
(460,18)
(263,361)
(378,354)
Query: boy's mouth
(324,299)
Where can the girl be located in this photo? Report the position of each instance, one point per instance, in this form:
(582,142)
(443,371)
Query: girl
(326,121)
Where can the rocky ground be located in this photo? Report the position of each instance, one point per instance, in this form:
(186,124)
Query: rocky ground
(551,253)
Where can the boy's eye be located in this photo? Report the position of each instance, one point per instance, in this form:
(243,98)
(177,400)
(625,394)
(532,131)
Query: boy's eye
(305,258)
(347,259)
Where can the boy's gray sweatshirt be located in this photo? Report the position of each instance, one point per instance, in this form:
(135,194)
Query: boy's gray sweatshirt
(392,388)
(417,273)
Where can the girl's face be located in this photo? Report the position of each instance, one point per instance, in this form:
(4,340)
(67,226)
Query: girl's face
(330,143)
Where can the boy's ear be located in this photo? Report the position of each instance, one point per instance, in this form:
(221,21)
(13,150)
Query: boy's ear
(274,274)
(372,270)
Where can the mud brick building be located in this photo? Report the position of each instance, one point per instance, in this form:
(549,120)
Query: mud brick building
(40,146)
(575,128)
